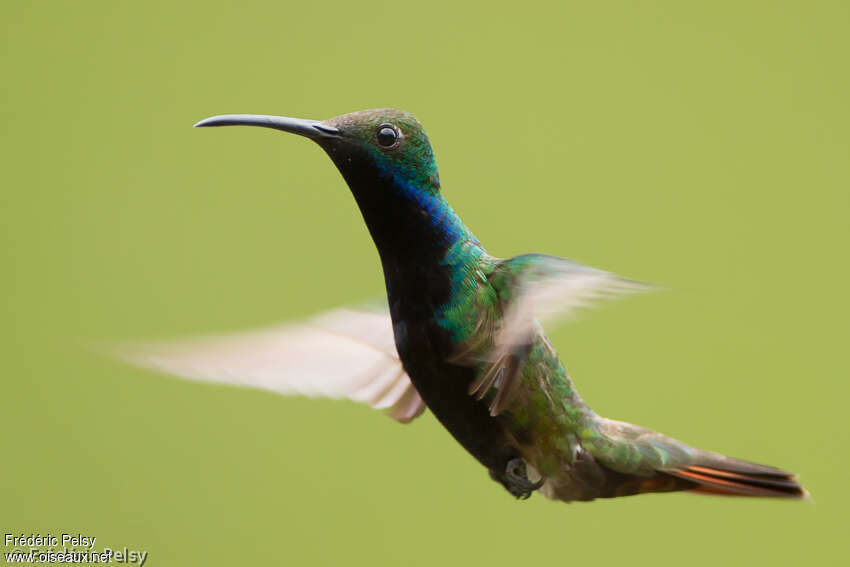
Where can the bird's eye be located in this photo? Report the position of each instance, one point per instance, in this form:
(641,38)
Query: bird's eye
(387,135)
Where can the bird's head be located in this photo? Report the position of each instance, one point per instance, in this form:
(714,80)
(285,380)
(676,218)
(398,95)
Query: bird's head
(387,162)
(385,144)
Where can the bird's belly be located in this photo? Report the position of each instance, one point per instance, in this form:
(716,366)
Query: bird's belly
(444,388)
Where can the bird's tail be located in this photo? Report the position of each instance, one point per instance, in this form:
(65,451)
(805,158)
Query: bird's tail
(716,474)
(638,460)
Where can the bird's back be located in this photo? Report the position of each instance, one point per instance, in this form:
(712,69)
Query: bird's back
(447,349)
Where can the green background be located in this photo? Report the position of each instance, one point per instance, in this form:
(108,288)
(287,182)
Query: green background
(703,146)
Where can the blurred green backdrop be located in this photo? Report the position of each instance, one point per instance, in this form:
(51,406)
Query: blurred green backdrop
(703,146)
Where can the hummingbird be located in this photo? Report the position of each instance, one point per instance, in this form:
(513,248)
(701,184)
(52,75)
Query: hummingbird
(461,334)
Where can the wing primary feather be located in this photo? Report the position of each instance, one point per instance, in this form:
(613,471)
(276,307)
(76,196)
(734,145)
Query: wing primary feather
(342,353)
(534,289)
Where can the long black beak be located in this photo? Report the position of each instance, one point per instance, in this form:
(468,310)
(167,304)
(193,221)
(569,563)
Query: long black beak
(310,128)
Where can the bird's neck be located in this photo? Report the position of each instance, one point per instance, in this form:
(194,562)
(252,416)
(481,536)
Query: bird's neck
(418,233)
(424,246)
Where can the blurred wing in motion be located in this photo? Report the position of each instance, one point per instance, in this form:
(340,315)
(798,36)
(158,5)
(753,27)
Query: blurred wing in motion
(343,353)
(548,289)
(535,289)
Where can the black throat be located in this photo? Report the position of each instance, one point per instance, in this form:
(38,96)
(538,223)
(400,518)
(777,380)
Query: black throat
(413,236)
(411,244)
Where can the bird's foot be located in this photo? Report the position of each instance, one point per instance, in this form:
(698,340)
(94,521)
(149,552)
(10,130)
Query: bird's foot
(515,479)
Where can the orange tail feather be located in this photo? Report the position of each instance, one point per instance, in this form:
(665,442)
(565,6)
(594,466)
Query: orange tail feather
(768,482)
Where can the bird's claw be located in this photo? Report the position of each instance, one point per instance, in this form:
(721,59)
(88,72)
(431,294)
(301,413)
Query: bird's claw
(515,479)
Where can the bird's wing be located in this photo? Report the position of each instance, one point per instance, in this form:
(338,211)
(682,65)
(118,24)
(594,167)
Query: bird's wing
(343,353)
(535,289)
(550,290)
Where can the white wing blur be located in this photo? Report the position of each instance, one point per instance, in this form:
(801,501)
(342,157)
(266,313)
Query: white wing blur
(552,290)
(342,353)
(538,289)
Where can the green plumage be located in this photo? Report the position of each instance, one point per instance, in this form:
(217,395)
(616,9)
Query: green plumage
(553,428)
(468,330)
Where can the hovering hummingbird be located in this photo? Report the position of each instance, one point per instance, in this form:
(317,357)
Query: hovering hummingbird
(463,337)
